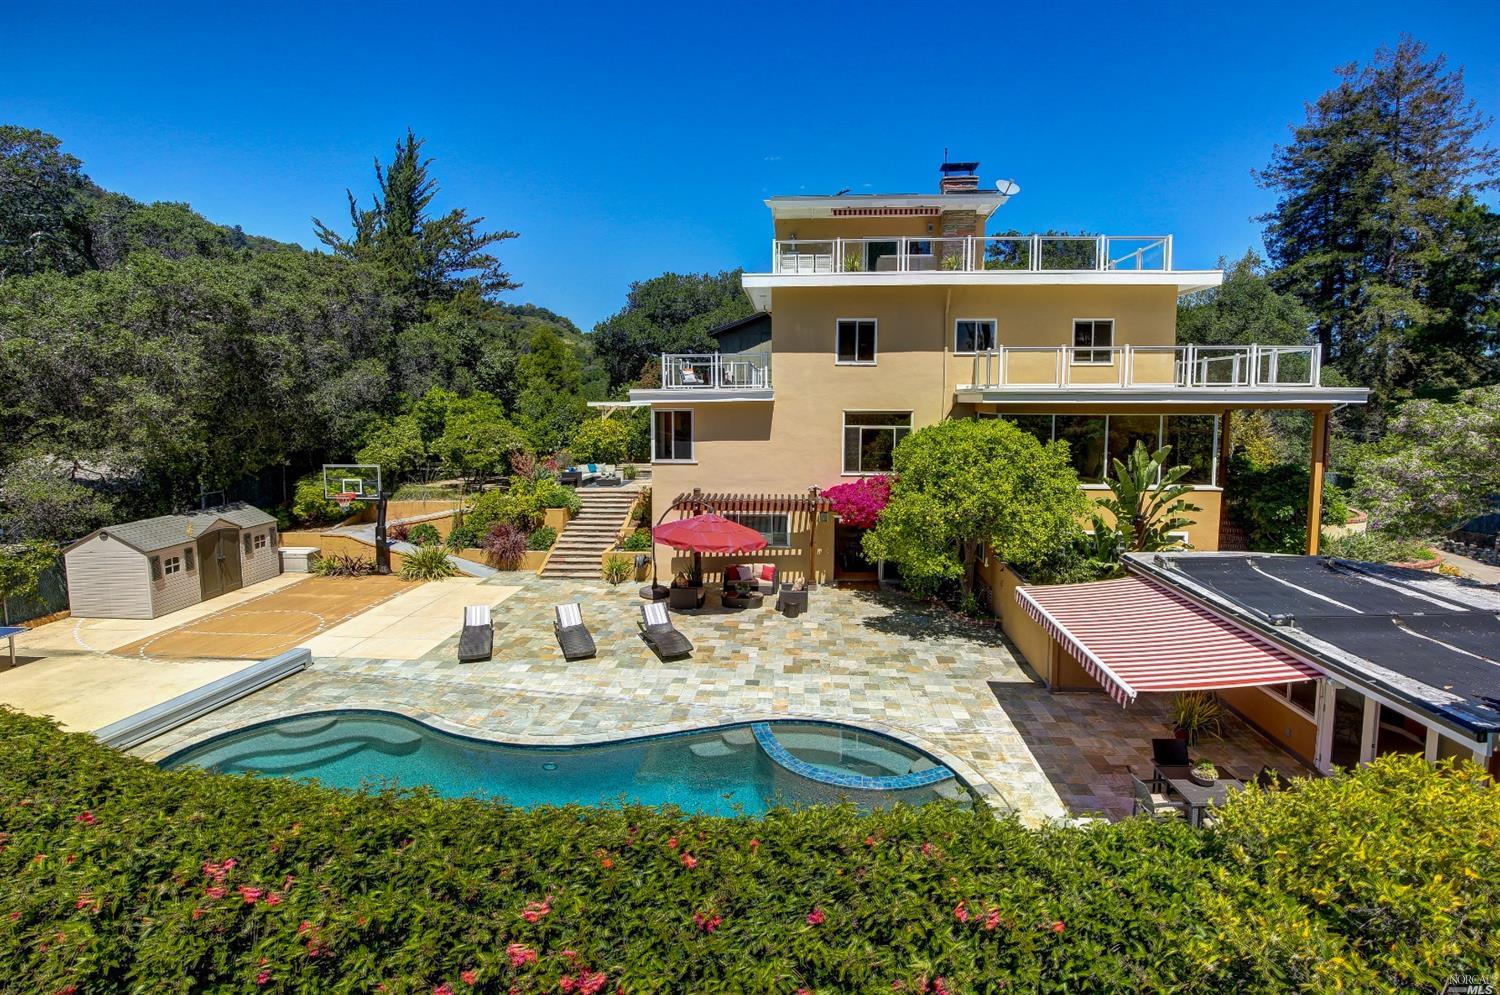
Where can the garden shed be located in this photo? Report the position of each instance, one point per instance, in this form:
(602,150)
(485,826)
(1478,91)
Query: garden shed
(154,566)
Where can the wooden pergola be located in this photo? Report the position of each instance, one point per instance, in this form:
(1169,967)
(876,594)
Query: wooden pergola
(810,503)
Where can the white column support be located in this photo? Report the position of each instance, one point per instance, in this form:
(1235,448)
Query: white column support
(1323,710)
(1369,731)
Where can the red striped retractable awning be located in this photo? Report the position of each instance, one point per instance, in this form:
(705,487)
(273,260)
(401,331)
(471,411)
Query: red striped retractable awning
(1134,636)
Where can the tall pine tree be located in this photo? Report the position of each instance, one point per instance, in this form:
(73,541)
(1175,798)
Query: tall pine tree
(1376,229)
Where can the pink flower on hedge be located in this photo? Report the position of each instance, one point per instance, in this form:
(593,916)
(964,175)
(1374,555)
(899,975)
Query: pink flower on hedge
(961,911)
(860,502)
(263,978)
(443,989)
(85,817)
(520,955)
(815,917)
(992,920)
(869,841)
(1057,927)
(672,843)
(469,977)
(591,983)
(250,895)
(754,845)
(215,891)
(689,861)
(707,923)
(274,898)
(536,910)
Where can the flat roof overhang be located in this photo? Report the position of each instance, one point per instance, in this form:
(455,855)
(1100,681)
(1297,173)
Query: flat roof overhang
(1440,708)
(759,285)
(1213,398)
(985,202)
(712,395)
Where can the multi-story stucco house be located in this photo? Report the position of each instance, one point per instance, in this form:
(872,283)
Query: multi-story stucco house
(891,312)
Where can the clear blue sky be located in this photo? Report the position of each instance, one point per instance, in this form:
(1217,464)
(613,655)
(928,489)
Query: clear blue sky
(626,140)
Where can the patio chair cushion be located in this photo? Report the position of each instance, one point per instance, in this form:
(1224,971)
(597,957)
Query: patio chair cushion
(655,613)
(569,615)
(476,615)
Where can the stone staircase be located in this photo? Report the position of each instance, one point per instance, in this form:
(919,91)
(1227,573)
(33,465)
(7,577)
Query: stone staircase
(582,542)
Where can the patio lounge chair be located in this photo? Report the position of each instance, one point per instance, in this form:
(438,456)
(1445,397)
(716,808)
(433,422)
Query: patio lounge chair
(477,641)
(573,636)
(1153,803)
(657,629)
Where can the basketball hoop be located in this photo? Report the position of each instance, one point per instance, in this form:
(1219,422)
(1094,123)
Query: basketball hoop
(345,499)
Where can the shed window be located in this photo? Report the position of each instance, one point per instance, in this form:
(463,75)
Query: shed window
(156,568)
(260,540)
(246,542)
(172,565)
(189,559)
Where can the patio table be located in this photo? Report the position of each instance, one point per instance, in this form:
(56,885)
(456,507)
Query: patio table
(1198,796)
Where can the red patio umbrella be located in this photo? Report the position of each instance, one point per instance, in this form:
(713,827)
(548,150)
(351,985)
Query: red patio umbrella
(708,534)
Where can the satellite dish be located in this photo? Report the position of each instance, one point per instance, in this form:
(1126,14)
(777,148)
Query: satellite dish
(1008,188)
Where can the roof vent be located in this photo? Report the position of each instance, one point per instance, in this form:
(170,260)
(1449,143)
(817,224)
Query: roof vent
(1283,619)
(958,177)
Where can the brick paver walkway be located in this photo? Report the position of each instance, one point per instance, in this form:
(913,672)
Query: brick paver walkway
(873,659)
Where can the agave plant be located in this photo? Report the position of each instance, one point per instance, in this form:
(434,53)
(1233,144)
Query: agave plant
(427,563)
(1147,500)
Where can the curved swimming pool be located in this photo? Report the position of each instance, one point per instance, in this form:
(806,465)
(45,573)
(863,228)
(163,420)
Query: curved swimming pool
(729,770)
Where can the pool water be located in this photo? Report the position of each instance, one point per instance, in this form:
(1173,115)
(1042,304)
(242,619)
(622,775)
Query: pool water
(722,771)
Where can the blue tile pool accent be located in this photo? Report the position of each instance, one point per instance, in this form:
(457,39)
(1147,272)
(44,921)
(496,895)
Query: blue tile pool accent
(892,782)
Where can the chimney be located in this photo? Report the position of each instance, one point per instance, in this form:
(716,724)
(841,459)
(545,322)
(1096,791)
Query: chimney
(958,177)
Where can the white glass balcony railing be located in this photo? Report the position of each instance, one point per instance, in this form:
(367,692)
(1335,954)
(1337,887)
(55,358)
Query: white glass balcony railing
(974,254)
(715,371)
(1162,367)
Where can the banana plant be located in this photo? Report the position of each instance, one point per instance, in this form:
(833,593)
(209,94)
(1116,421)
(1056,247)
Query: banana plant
(1148,502)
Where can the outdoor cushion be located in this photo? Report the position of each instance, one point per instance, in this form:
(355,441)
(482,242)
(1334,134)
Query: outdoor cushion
(767,572)
(477,640)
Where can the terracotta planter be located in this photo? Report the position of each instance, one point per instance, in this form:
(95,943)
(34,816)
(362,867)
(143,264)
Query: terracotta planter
(1431,564)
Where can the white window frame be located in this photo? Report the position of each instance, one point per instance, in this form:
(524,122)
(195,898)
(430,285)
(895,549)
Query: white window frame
(844,436)
(1094,344)
(261,540)
(189,560)
(874,342)
(785,516)
(994,335)
(171,565)
(692,435)
(1275,691)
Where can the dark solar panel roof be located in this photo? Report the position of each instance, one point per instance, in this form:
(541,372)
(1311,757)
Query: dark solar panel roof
(1431,641)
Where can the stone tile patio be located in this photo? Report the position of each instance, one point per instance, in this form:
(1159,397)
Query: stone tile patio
(874,659)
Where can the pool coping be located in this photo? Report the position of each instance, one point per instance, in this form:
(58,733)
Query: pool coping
(970,778)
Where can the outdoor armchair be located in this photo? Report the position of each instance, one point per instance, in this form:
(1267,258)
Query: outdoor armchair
(1154,804)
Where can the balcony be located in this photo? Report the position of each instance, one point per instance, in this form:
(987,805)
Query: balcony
(1153,368)
(711,376)
(974,254)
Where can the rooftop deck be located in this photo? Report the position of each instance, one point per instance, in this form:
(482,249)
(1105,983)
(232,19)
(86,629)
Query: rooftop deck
(974,254)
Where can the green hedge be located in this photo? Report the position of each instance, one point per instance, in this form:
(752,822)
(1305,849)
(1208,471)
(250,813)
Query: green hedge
(118,877)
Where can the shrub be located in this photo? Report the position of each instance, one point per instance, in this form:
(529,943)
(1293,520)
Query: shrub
(518,506)
(617,569)
(424,534)
(629,471)
(1269,501)
(427,562)
(638,541)
(343,565)
(465,536)
(541,539)
(398,532)
(555,495)
(860,502)
(1377,547)
(1384,879)
(504,545)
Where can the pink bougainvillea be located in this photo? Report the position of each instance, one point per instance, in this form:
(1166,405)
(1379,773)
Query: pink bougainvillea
(861,501)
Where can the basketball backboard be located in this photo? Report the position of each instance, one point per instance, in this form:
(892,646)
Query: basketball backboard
(361,480)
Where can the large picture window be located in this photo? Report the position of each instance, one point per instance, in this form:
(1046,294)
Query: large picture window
(973,336)
(856,341)
(775,526)
(672,436)
(1094,440)
(870,437)
(1092,339)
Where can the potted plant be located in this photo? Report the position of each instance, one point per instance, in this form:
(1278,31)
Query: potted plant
(1204,772)
(1195,713)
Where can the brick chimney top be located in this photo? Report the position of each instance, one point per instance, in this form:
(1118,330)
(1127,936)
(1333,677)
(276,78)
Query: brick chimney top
(958,177)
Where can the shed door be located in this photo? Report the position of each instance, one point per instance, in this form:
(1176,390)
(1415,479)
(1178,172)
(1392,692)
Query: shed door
(219,563)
